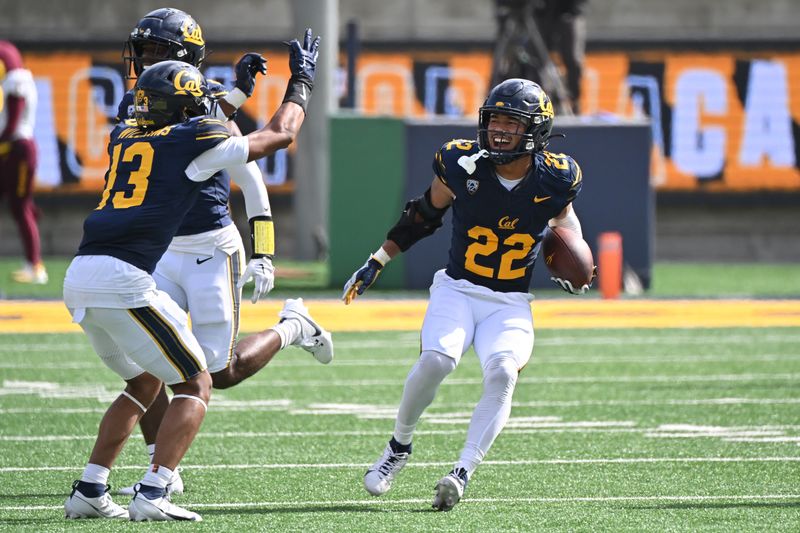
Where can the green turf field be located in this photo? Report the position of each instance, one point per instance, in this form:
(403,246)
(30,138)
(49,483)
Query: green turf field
(612,430)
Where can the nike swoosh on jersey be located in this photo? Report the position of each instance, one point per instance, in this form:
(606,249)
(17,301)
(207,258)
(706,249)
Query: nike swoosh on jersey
(540,199)
(303,92)
(200,262)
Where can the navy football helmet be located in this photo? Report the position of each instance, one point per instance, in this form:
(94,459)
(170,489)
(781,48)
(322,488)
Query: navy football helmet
(168,93)
(525,101)
(163,34)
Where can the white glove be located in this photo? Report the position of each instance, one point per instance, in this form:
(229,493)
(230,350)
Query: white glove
(567,286)
(260,269)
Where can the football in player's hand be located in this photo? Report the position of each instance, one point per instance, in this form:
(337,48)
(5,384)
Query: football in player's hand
(567,256)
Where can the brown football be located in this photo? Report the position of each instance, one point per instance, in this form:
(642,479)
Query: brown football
(567,256)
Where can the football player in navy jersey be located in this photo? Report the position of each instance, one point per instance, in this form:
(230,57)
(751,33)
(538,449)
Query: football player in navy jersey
(505,189)
(159,162)
(202,268)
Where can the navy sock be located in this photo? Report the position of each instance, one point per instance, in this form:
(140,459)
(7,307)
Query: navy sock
(90,490)
(152,493)
(399,448)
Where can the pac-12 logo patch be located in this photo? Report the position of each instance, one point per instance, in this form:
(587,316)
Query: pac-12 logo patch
(472,186)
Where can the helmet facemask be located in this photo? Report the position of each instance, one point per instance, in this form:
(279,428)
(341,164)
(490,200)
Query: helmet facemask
(527,126)
(526,103)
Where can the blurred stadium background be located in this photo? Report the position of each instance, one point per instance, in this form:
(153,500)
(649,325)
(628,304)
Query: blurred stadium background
(672,412)
(714,88)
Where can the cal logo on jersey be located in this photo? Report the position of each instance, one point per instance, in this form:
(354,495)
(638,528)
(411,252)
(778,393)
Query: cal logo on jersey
(507,223)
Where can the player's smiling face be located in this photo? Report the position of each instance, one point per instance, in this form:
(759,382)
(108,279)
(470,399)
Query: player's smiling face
(505,131)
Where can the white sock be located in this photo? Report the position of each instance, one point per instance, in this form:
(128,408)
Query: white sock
(492,411)
(95,474)
(157,476)
(288,330)
(151,451)
(421,385)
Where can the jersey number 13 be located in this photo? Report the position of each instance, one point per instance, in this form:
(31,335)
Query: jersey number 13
(117,192)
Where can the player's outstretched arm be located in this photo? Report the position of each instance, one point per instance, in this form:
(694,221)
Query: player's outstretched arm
(421,217)
(282,129)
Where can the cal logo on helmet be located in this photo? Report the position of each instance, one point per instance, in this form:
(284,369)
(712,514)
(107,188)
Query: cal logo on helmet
(187,82)
(192,33)
(545,105)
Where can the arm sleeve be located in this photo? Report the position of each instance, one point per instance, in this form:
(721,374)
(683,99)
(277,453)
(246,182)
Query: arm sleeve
(231,152)
(256,199)
(570,222)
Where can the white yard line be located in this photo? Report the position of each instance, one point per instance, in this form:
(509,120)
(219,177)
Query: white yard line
(687,401)
(710,378)
(411,340)
(305,434)
(528,462)
(516,425)
(68,390)
(654,359)
(372,502)
(260,405)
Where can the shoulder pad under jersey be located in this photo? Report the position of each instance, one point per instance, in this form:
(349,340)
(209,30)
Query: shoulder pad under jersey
(457,160)
(560,174)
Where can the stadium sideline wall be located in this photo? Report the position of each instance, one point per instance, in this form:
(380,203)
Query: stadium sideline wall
(617,195)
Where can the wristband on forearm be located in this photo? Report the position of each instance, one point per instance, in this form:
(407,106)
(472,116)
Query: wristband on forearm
(262,236)
(236,97)
(299,91)
(381,256)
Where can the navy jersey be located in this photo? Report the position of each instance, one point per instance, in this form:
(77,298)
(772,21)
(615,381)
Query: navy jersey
(147,193)
(211,209)
(496,232)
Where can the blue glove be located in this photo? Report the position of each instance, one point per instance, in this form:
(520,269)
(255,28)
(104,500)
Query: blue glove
(303,59)
(361,280)
(246,69)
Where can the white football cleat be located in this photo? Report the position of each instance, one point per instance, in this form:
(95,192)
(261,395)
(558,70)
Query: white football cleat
(175,486)
(79,505)
(161,509)
(450,489)
(378,479)
(30,273)
(313,337)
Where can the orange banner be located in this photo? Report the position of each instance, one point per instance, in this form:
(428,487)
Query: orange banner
(721,121)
